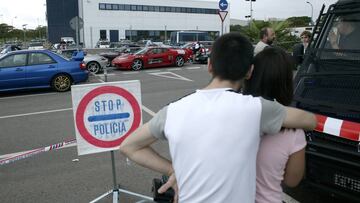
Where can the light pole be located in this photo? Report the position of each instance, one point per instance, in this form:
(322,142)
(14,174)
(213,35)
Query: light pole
(24,28)
(312,11)
(251,10)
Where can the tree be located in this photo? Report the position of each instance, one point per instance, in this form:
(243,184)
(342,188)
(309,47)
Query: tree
(299,21)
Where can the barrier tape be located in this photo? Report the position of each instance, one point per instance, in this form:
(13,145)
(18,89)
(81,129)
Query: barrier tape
(16,157)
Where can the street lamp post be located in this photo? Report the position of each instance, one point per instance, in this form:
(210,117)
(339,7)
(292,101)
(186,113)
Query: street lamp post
(24,28)
(312,11)
(251,10)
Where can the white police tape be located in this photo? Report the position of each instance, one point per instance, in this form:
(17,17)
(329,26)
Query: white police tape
(23,155)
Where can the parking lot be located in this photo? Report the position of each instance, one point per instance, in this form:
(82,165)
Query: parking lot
(39,118)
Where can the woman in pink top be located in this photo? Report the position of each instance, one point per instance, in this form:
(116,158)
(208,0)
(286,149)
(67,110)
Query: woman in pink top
(281,157)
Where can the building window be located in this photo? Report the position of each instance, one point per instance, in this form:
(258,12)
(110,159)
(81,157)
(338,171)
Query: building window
(115,7)
(147,8)
(102,34)
(102,6)
(108,7)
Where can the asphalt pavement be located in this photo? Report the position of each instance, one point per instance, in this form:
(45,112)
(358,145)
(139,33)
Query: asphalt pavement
(38,118)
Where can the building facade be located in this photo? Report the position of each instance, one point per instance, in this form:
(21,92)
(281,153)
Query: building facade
(114,20)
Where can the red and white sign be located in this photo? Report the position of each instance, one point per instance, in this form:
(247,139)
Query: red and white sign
(105,114)
(337,127)
(223,15)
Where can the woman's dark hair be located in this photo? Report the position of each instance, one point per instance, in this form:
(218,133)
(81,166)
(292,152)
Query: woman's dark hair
(272,77)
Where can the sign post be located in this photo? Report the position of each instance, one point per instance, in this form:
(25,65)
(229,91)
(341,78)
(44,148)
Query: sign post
(223,6)
(105,114)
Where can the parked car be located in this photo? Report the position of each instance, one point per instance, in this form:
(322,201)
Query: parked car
(39,69)
(7,48)
(102,44)
(93,63)
(110,55)
(151,57)
(36,46)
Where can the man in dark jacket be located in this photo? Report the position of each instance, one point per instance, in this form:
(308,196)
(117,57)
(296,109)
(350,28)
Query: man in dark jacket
(299,49)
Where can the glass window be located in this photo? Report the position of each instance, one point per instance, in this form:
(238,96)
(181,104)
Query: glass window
(13,61)
(122,7)
(173,9)
(133,7)
(39,58)
(183,10)
(102,34)
(162,8)
(145,8)
(102,6)
(178,10)
(139,7)
(108,6)
(188,10)
(168,9)
(127,8)
(151,8)
(157,8)
(115,7)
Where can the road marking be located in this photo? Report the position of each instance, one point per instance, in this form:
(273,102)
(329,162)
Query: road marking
(152,71)
(147,110)
(35,113)
(132,72)
(192,68)
(170,69)
(33,95)
(170,75)
(286,198)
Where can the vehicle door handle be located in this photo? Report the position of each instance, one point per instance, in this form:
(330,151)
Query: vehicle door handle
(51,66)
(19,69)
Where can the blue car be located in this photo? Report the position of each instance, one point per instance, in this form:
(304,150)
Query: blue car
(26,69)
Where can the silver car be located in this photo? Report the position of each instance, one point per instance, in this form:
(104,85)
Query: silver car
(94,62)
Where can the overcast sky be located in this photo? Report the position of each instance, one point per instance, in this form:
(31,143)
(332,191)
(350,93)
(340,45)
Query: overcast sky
(32,12)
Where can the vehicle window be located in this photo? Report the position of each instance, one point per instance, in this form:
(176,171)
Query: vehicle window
(344,33)
(39,58)
(13,60)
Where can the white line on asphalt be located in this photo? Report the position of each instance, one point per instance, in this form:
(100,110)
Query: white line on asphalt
(147,110)
(170,69)
(152,71)
(33,95)
(34,113)
(97,77)
(192,68)
(132,72)
(170,75)
(288,199)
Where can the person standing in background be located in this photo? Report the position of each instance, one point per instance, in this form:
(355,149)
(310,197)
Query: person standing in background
(300,48)
(267,37)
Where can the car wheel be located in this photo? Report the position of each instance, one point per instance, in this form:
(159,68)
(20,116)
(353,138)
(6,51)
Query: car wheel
(61,83)
(179,61)
(137,64)
(93,67)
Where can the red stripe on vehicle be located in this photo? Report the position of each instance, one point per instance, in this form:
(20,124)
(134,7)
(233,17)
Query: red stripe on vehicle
(350,130)
(320,123)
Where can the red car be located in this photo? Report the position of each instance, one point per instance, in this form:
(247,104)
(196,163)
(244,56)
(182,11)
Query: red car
(152,57)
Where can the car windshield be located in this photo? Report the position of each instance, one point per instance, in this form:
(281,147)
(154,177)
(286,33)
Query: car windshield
(142,51)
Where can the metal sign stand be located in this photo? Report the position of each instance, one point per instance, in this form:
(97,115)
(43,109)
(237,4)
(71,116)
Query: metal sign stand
(116,190)
(223,5)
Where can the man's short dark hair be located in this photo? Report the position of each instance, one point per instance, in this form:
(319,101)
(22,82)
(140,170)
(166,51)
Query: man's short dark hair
(231,56)
(263,32)
(272,76)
